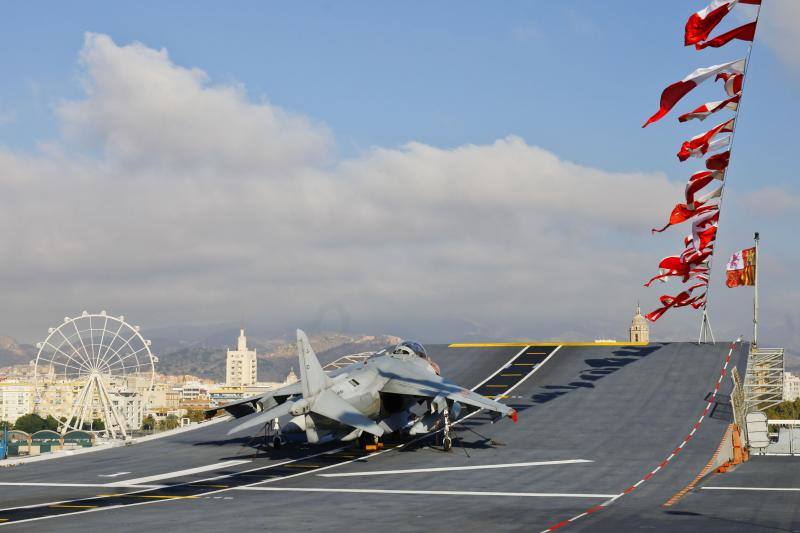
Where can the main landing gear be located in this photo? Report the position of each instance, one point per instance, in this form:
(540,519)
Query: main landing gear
(369,443)
(447,441)
(277,438)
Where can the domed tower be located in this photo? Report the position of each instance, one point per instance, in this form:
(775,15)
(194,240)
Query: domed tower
(639,331)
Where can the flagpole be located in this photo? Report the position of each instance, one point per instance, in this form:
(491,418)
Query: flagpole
(755,295)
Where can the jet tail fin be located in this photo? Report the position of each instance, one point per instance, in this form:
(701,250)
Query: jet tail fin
(313,378)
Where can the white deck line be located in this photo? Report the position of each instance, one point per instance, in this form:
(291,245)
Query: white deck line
(429,492)
(454,468)
(177,473)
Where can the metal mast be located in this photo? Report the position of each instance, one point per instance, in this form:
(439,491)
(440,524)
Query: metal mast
(755,294)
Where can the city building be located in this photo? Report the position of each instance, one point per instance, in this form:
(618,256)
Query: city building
(56,398)
(791,386)
(128,405)
(639,330)
(242,365)
(16,399)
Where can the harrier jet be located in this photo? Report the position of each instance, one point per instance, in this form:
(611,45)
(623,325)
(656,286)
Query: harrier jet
(366,400)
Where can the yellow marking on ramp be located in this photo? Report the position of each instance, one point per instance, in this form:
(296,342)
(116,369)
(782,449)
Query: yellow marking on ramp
(212,486)
(535,353)
(541,344)
(524,364)
(65,506)
(495,396)
(151,496)
(510,375)
(4,519)
(300,465)
(497,386)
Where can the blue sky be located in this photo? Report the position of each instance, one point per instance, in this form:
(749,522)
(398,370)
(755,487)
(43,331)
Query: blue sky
(575,78)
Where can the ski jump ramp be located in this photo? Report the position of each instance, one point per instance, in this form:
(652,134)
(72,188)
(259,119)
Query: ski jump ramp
(607,434)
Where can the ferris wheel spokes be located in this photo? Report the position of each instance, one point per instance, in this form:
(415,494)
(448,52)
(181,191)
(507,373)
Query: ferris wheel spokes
(91,353)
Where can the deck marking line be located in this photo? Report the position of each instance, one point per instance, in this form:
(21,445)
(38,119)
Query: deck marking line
(179,473)
(68,506)
(427,492)
(454,468)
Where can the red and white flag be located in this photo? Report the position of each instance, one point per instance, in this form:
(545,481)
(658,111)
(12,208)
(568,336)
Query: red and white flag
(706,110)
(733,82)
(718,161)
(694,257)
(682,213)
(743,33)
(698,181)
(701,24)
(699,145)
(680,300)
(672,94)
(704,229)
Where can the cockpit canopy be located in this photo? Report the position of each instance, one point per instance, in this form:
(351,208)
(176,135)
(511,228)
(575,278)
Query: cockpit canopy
(411,348)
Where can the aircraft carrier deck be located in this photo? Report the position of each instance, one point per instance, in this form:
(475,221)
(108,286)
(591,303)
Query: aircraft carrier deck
(606,436)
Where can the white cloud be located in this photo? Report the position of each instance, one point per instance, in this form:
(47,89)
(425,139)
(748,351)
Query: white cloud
(780,27)
(143,109)
(772,202)
(194,204)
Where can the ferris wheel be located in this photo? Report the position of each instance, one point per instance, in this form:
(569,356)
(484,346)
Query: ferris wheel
(94,357)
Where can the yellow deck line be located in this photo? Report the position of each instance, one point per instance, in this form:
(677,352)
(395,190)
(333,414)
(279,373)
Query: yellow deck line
(4,519)
(510,375)
(299,465)
(498,386)
(524,364)
(65,506)
(212,486)
(534,344)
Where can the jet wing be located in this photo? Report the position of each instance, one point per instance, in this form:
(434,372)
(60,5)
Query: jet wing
(248,406)
(431,386)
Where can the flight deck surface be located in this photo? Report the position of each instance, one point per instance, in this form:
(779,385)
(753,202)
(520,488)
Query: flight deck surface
(606,435)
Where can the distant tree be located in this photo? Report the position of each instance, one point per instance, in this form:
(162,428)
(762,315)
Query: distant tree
(5,425)
(30,423)
(789,410)
(98,425)
(149,422)
(51,423)
(195,415)
(171,422)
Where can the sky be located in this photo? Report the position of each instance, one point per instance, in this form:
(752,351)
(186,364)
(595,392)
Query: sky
(440,171)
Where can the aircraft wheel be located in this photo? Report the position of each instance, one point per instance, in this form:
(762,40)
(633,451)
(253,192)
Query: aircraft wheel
(276,443)
(447,444)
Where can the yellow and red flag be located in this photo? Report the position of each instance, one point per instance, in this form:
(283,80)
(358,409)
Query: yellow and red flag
(742,268)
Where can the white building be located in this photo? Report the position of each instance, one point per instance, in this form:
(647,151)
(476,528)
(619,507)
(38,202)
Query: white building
(791,386)
(242,366)
(130,407)
(16,399)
